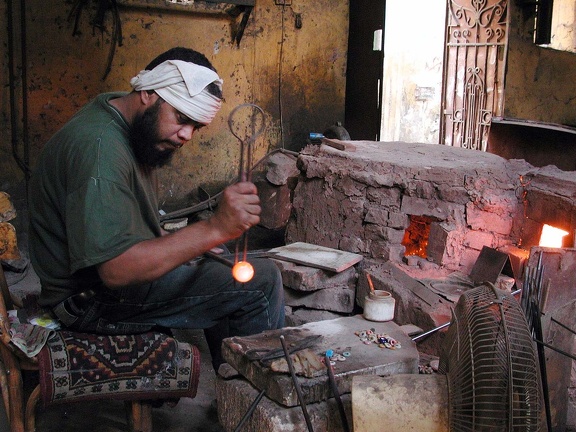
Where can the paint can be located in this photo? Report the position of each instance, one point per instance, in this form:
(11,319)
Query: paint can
(379,306)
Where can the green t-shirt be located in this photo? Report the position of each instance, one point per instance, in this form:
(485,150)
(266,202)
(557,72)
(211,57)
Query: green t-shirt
(89,201)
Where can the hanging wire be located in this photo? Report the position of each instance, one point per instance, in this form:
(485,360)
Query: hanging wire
(280,61)
(23,163)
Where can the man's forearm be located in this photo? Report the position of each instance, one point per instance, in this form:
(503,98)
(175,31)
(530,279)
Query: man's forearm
(151,259)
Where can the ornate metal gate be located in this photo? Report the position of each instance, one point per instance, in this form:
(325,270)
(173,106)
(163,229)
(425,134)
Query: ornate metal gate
(474,67)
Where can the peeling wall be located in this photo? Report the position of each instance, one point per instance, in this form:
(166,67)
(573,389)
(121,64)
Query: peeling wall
(540,81)
(296,75)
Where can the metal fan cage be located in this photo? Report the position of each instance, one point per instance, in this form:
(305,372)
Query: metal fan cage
(491,365)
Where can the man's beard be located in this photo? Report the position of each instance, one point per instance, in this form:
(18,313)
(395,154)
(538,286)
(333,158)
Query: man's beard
(144,139)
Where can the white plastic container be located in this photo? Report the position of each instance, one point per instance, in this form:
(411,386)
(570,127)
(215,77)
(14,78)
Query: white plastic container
(379,306)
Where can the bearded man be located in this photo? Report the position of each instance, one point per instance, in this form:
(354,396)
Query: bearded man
(104,263)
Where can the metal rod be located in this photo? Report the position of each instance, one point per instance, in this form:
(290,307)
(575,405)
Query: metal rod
(553,348)
(537,335)
(429,332)
(250,411)
(334,387)
(562,325)
(218,258)
(296,384)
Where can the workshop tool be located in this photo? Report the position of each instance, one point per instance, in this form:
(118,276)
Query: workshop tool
(246,122)
(334,387)
(296,385)
(265,355)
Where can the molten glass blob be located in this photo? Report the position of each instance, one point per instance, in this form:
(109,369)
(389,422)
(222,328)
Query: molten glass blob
(243,271)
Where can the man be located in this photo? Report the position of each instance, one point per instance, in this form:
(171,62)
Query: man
(104,262)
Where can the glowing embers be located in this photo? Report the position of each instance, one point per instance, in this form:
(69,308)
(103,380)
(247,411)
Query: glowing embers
(416,236)
(552,237)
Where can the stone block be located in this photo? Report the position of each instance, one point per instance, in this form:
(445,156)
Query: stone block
(421,189)
(423,207)
(384,196)
(454,194)
(304,278)
(337,299)
(280,168)
(353,244)
(398,220)
(376,215)
(487,221)
(276,204)
(478,239)
(337,335)
(236,396)
(350,187)
(302,316)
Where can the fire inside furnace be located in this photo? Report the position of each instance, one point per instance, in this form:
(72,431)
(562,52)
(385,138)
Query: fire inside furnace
(552,237)
(416,236)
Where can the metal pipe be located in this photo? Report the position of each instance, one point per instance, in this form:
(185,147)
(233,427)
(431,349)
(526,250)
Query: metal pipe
(296,385)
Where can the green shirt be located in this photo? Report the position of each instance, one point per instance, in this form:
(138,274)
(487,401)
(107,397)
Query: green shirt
(89,201)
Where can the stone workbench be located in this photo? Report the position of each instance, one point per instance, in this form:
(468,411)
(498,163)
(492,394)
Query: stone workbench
(337,335)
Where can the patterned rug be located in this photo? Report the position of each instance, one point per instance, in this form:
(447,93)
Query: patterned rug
(76,366)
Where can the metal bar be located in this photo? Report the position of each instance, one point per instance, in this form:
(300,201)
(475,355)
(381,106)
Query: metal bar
(218,258)
(543,371)
(553,348)
(562,325)
(296,384)
(429,332)
(336,394)
(250,411)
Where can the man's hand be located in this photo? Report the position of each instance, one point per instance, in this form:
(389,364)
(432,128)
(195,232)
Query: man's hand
(238,210)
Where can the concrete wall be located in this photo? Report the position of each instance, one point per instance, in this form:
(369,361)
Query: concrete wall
(297,76)
(540,82)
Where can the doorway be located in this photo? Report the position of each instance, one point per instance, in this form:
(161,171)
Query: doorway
(412,75)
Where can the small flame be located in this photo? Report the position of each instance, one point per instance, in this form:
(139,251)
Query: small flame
(552,237)
(243,271)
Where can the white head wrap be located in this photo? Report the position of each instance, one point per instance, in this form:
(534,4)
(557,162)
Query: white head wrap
(183,85)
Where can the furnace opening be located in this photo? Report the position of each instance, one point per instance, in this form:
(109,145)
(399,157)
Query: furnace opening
(416,236)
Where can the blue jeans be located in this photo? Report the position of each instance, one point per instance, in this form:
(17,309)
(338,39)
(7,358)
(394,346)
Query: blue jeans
(196,296)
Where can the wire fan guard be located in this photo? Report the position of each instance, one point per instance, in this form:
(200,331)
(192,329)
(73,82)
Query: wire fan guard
(491,365)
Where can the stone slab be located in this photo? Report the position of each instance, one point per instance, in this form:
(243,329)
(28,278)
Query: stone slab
(337,335)
(316,256)
(236,396)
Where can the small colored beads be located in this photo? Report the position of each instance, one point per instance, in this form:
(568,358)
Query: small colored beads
(382,340)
